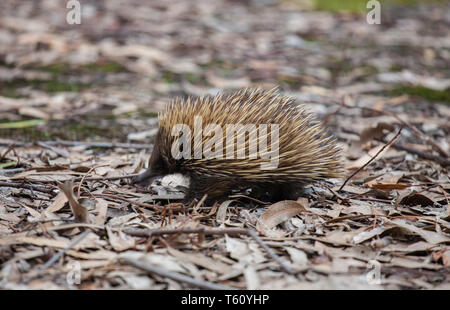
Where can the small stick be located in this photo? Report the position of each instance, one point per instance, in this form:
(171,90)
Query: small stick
(439,159)
(51,261)
(80,143)
(371,160)
(77,179)
(414,129)
(214,231)
(174,275)
(270,252)
(60,152)
(101,144)
(37,188)
(84,177)
(127,176)
(347,217)
(10,147)
(133,202)
(249,198)
(11,171)
(200,202)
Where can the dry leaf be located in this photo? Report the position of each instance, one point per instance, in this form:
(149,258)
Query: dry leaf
(278,213)
(429,236)
(80,212)
(378,132)
(202,260)
(120,241)
(58,203)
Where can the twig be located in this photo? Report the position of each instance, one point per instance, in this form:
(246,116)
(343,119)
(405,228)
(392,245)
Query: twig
(37,188)
(77,179)
(347,217)
(414,129)
(174,275)
(213,231)
(439,159)
(60,152)
(101,144)
(137,203)
(10,147)
(92,227)
(127,176)
(372,159)
(11,171)
(249,198)
(275,257)
(200,202)
(52,260)
(80,143)
(84,178)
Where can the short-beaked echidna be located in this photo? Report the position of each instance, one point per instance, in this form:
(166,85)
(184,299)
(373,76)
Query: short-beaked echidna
(248,139)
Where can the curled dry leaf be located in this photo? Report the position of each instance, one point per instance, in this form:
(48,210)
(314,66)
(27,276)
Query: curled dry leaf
(278,213)
(429,236)
(366,157)
(298,257)
(102,209)
(222,211)
(378,132)
(119,241)
(366,235)
(79,211)
(251,278)
(201,260)
(414,199)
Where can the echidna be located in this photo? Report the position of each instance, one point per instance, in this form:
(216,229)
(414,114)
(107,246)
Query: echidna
(248,139)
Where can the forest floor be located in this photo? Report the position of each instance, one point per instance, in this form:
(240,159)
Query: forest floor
(78,104)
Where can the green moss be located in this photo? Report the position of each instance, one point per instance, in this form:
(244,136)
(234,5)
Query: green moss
(10,89)
(78,130)
(359,6)
(423,92)
(82,128)
(146,114)
(355,6)
(55,69)
(99,67)
(169,77)
(194,78)
(105,67)
(396,68)
(54,86)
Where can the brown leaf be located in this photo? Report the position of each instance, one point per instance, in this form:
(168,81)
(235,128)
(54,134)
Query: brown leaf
(366,157)
(429,236)
(414,199)
(201,260)
(58,203)
(80,212)
(378,132)
(120,241)
(278,213)
(446,258)
(390,186)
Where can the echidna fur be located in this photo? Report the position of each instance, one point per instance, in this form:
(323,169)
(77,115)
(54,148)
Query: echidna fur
(307,152)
